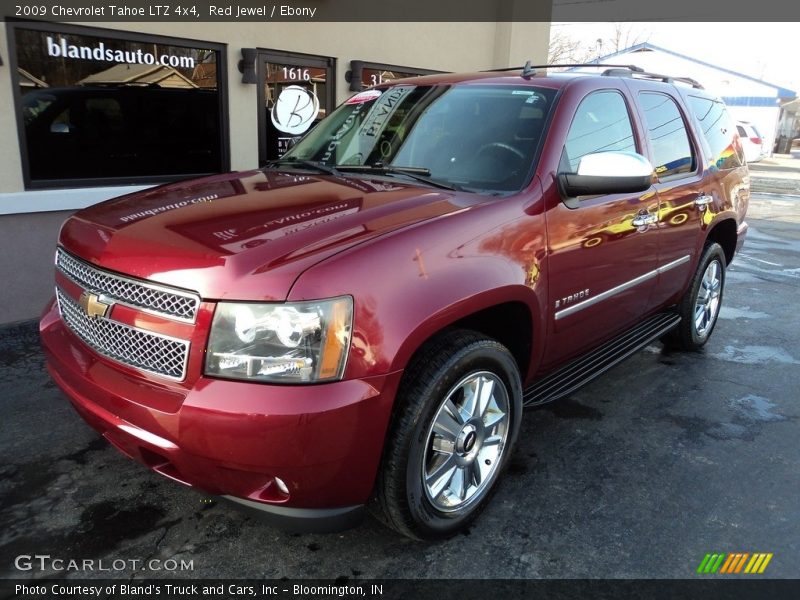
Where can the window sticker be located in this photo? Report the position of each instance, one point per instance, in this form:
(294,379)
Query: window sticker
(382,110)
(362,97)
(295,110)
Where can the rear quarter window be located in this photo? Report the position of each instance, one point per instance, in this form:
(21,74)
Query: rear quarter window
(719,130)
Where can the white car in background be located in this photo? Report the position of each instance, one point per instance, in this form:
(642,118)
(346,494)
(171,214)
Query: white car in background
(752,141)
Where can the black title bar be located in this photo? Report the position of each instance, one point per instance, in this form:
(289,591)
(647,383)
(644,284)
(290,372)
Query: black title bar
(400,10)
(705,588)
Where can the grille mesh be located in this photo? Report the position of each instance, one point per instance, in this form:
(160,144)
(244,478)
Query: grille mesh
(166,302)
(134,347)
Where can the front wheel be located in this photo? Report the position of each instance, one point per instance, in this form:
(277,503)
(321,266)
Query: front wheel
(457,419)
(701,304)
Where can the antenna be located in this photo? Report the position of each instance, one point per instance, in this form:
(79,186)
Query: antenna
(528,70)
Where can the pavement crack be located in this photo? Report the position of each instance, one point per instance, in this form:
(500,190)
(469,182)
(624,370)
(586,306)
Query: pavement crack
(166,528)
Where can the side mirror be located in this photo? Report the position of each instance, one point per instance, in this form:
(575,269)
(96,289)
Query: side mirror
(607,173)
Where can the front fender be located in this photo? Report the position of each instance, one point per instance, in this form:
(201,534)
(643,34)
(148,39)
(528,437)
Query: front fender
(409,285)
(463,308)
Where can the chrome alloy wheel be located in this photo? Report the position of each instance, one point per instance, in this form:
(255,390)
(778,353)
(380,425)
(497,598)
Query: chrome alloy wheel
(465,442)
(706,305)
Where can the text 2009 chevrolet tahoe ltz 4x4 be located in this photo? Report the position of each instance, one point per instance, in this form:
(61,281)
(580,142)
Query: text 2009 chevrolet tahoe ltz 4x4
(362,322)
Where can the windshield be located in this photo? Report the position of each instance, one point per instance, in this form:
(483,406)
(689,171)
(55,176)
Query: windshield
(480,138)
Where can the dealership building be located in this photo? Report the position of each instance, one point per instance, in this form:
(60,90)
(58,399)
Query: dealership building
(94,111)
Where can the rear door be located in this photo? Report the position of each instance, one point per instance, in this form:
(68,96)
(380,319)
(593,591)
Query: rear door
(684,187)
(692,145)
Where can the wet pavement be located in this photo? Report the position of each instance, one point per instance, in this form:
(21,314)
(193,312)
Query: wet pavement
(665,458)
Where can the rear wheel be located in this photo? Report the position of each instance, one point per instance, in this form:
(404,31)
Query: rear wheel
(457,419)
(700,306)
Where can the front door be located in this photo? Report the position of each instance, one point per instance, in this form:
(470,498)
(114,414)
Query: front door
(602,249)
(295,92)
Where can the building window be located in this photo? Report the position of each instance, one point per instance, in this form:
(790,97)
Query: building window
(296,91)
(364,74)
(97,107)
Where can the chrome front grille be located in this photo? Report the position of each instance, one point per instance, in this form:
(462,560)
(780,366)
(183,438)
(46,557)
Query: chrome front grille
(137,348)
(164,301)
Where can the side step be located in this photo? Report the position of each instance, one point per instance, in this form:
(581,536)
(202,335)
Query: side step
(580,371)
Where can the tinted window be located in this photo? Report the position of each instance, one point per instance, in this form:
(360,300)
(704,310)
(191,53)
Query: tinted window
(718,128)
(601,124)
(99,107)
(672,152)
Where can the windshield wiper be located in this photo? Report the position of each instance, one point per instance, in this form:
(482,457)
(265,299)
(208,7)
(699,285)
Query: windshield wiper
(314,165)
(420,174)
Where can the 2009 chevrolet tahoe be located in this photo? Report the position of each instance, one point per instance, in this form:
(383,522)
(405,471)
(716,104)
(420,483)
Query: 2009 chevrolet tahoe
(361,322)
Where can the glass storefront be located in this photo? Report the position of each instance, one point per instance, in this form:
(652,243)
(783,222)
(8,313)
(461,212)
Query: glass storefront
(296,92)
(96,106)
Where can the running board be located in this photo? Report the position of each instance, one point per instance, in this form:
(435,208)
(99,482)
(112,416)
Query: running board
(580,371)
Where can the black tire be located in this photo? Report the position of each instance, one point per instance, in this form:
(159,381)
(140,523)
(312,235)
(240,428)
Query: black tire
(403,500)
(687,335)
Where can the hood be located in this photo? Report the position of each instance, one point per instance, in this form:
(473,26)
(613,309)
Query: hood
(247,235)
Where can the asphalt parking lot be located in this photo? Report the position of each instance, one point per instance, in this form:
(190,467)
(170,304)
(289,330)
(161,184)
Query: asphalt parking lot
(665,458)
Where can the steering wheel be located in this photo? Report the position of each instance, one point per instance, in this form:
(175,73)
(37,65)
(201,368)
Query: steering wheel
(507,148)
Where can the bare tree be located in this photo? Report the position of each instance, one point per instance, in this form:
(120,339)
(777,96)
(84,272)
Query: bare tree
(624,36)
(567,49)
(564,49)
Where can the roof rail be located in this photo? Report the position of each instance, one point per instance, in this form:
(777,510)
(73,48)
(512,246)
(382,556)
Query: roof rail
(611,71)
(529,69)
(641,73)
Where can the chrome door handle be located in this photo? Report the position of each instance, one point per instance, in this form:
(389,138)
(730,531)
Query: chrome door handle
(643,220)
(703,200)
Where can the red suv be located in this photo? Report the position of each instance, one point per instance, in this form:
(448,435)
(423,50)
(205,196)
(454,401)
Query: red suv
(361,322)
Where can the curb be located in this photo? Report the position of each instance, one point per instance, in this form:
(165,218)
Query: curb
(774,185)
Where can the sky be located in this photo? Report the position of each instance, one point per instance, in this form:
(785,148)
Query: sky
(767,51)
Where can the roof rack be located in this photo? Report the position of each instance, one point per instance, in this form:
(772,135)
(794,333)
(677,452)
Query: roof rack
(625,72)
(611,71)
(530,69)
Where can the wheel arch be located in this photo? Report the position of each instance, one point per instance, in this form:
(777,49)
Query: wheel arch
(509,318)
(723,232)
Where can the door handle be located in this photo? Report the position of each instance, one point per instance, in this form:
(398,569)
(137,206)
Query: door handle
(644,219)
(703,200)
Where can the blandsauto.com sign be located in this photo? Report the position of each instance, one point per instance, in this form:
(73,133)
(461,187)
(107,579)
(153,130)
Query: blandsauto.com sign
(60,48)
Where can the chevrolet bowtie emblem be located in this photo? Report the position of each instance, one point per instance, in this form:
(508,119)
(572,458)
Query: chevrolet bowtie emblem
(93,306)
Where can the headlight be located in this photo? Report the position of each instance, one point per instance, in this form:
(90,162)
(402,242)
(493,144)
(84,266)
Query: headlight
(300,342)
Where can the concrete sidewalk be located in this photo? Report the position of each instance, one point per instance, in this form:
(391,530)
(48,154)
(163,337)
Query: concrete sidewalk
(777,174)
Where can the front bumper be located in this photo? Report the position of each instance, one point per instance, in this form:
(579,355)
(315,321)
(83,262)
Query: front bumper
(234,439)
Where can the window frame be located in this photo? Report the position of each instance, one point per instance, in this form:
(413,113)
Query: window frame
(49,27)
(690,137)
